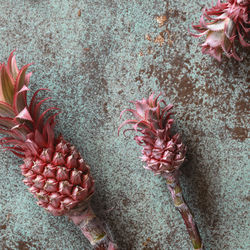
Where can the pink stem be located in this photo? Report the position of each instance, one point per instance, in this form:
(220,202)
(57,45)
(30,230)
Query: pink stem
(179,202)
(92,228)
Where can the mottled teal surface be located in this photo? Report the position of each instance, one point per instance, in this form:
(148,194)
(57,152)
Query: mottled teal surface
(94,64)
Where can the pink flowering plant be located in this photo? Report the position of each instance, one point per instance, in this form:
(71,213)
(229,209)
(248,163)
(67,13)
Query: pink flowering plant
(222,25)
(53,169)
(163,153)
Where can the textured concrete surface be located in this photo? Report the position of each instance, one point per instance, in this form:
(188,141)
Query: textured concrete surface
(94,63)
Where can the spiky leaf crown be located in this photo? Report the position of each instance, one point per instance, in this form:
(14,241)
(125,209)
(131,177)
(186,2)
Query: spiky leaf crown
(225,23)
(162,152)
(25,129)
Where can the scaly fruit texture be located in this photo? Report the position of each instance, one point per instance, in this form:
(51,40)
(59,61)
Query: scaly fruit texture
(226,23)
(162,152)
(54,171)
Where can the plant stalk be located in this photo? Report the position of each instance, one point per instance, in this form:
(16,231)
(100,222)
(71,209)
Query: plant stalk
(91,226)
(180,204)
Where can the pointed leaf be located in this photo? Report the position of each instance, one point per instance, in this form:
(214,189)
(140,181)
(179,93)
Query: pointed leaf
(27,78)
(49,123)
(41,117)
(6,132)
(33,99)
(7,122)
(20,99)
(20,81)
(136,115)
(39,139)
(126,122)
(6,110)
(12,67)
(11,141)
(24,114)
(17,154)
(36,110)
(13,148)
(7,83)
(51,136)
(1,91)
(33,148)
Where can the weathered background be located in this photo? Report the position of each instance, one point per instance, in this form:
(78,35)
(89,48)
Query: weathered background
(95,63)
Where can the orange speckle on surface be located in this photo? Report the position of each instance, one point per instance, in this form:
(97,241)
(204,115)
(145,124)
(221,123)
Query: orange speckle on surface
(150,50)
(148,37)
(79,13)
(169,40)
(8,216)
(145,243)
(161,20)
(159,39)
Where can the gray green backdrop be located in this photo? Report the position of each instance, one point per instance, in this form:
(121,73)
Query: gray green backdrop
(94,64)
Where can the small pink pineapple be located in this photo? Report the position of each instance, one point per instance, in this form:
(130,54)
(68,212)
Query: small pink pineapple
(162,152)
(54,171)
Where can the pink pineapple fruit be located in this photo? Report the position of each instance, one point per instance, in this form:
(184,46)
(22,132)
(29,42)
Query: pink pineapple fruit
(54,171)
(226,23)
(162,152)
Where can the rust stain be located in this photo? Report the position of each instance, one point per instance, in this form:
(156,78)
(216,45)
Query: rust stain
(5,247)
(145,243)
(79,13)
(148,37)
(104,84)
(238,133)
(141,53)
(169,39)
(185,88)
(242,106)
(161,20)
(22,245)
(159,39)
(125,202)
(150,50)
(157,246)
(8,216)
(247,198)
(105,109)
(3,227)
(176,14)
(138,79)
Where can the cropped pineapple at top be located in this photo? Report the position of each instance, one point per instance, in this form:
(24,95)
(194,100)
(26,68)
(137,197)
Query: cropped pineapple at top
(54,171)
(162,152)
(226,23)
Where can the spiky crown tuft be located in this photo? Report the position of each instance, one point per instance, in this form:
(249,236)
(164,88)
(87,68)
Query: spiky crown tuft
(162,152)
(25,129)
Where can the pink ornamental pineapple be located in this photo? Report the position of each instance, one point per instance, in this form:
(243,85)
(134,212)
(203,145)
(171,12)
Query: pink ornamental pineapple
(162,152)
(54,171)
(226,23)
